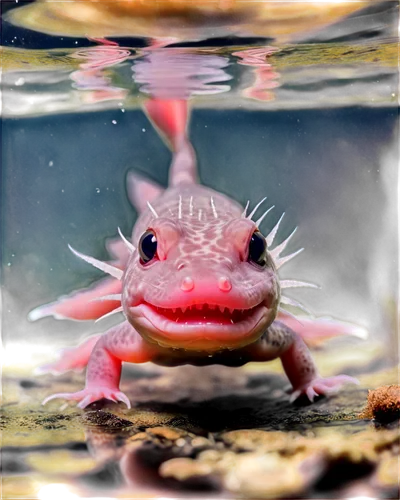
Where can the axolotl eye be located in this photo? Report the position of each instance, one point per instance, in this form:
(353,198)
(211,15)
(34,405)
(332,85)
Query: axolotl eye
(147,246)
(258,249)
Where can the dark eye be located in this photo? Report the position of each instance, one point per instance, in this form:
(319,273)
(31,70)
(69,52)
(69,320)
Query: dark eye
(147,246)
(258,249)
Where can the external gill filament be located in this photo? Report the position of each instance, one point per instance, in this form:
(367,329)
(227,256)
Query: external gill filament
(297,284)
(250,216)
(152,210)
(128,244)
(258,222)
(271,236)
(191,206)
(214,210)
(294,303)
(245,209)
(114,311)
(103,266)
(280,261)
(180,207)
(281,247)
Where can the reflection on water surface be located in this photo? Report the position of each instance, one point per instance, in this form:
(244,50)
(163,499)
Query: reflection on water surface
(294,77)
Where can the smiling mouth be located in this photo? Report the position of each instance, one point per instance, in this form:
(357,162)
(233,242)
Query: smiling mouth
(200,324)
(204,314)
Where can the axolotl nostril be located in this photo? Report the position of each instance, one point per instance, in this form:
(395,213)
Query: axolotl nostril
(198,284)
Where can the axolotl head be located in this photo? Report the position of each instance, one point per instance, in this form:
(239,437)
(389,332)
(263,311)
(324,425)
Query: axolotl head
(200,280)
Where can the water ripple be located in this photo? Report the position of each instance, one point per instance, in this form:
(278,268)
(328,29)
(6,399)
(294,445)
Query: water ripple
(175,73)
(101,56)
(91,75)
(266,78)
(299,76)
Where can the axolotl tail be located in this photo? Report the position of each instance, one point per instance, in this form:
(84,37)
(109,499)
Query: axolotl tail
(171,117)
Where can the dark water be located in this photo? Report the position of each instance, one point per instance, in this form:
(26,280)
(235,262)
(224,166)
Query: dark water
(311,125)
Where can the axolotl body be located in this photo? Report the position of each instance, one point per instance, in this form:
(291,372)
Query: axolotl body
(198,284)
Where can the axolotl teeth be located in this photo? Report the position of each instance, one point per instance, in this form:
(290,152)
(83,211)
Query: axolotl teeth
(203,314)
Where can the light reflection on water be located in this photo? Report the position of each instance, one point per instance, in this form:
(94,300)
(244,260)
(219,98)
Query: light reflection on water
(260,77)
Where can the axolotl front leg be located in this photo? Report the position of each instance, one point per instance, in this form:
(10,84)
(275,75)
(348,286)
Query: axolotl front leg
(281,341)
(120,343)
(123,344)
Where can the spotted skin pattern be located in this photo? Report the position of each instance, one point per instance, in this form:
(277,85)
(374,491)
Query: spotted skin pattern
(200,299)
(201,246)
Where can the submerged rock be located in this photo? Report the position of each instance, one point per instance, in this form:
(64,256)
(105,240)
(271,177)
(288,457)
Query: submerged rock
(383,404)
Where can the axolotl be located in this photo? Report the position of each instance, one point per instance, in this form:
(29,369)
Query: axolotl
(197,284)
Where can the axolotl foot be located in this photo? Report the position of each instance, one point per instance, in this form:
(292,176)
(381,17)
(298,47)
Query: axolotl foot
(297,361)
(321,386)
(104,355)
(90,395)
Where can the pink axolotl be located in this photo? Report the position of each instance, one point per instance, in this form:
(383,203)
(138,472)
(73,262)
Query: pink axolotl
(198,284)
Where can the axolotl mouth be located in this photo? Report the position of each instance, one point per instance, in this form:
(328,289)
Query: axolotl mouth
(205,326)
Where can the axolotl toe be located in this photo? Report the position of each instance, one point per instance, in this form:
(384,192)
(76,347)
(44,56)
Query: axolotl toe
(198,284)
